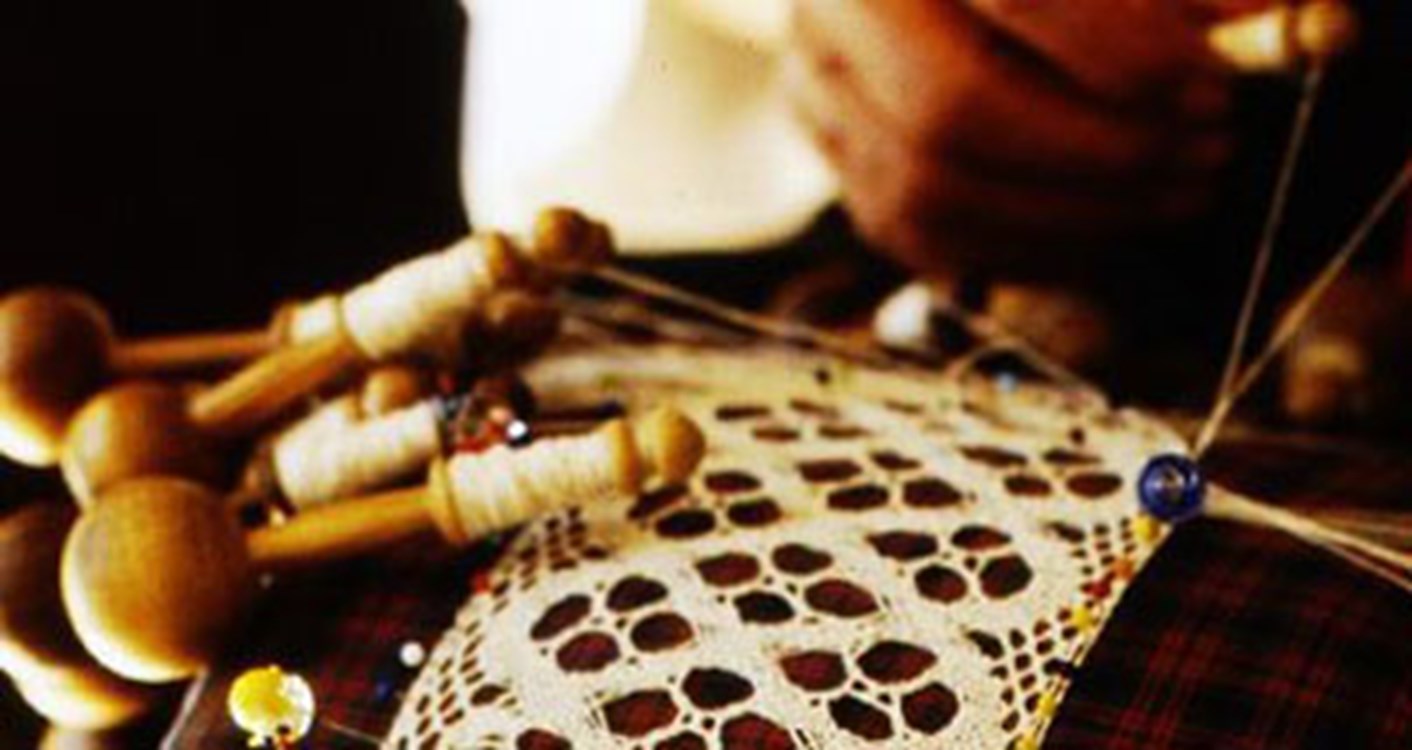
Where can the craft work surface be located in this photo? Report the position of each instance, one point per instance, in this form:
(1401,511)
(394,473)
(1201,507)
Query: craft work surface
(865,559)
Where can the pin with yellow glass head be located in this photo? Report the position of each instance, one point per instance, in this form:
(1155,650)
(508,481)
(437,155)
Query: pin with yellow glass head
(275,707)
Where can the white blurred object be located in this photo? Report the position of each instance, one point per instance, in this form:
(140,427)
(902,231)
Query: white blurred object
(666,118)
(903,320)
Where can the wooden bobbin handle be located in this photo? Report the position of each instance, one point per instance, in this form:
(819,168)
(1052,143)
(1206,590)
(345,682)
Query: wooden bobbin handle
(188,352)
(1286,37)
(84,698)
(341,530)
(268,386)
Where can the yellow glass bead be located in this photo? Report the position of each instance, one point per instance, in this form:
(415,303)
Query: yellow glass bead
(1027,742)
(1146,528)
(1082,618)
(1123,569)
(1048,705)
(272,705)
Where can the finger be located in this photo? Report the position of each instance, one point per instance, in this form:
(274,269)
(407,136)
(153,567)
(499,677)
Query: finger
(1135,53)
(923,210)
(957,98)
(857,139)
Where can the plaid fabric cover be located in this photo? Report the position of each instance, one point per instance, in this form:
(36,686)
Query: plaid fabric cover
(1233,638)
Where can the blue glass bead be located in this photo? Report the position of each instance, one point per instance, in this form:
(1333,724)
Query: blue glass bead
(384,690)
(1171,488)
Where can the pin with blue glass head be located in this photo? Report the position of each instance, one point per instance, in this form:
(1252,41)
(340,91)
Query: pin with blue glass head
(1171,488)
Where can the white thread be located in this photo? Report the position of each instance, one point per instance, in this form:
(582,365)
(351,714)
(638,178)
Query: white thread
(778,328)
(312,320)
(502,487)
(1269,236)
(422,305)
(1304,305)
(1393,527)
(1390,564)
(330,418)
(326,465)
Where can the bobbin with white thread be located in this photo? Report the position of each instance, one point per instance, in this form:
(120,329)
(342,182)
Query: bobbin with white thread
(477,494)
(305,321)
(339,451)
(422,305)
(426,307)
(322,463)
(158,576)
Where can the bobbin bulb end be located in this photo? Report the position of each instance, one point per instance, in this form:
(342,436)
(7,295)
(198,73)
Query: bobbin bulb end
(671,444)
(566,240)
(54,351)
(1326,29)
(156,578)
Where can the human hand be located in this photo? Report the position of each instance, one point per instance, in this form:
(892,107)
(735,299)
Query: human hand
(996,135)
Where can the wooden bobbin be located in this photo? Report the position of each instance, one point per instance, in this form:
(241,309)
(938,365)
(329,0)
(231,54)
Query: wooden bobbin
(57,347)
(385,389)
(1286,37)
(311,465)
(44,379)
(142,427)
(390,387)
(139,430)
(429,306)
(343,448)
(38,648)
(514,328)
(159,575)
(566,242)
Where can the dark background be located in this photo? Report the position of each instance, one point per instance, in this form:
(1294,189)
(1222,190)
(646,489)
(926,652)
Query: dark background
(192,163)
